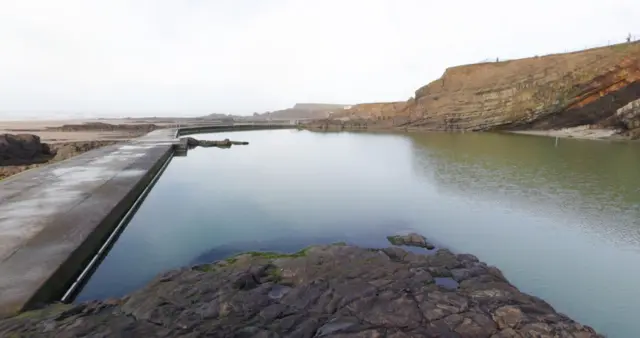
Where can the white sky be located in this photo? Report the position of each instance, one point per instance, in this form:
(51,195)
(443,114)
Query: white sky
(188,57)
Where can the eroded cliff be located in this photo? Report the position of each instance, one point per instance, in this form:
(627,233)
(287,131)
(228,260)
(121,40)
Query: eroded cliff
(548,92)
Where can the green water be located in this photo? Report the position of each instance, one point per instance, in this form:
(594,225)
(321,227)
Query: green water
(562,222)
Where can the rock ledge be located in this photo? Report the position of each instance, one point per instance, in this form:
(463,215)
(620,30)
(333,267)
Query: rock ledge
(323,291)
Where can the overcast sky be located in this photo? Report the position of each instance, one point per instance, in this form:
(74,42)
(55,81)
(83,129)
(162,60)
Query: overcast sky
(188,57)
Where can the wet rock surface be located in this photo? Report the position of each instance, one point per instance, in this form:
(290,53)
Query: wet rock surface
(322,291)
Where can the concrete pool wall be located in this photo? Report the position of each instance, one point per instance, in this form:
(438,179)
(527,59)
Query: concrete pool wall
(54,219)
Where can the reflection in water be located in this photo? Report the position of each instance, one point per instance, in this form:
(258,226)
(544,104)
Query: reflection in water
(585,180)
(560,222)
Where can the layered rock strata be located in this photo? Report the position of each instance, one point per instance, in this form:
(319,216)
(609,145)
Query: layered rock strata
(584,88)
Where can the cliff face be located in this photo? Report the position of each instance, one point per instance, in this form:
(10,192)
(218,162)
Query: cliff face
(549,92)
(563,90)
(365,116)
(376,111)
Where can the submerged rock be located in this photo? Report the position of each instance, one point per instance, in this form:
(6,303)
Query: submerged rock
(330,291)
(411,239)
(226,143)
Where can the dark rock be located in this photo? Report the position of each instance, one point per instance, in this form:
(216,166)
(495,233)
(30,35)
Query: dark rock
(445,258)
(421,275)
(334,291)
(226,143)
(411,239)
(192,142)
(245,281)
(22,149)
(395,254)
(439,271)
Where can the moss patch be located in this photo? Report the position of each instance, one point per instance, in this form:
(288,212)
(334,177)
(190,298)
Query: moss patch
(53,309)
(395,240)
(275,275)
(204,268)
(276,255)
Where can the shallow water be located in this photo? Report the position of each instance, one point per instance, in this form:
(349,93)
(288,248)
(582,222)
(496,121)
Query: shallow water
(562,222)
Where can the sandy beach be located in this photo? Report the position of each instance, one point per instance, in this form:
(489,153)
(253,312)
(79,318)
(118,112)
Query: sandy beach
(581,132)
(45,129)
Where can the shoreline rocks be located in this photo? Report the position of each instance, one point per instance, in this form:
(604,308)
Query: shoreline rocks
(322,291)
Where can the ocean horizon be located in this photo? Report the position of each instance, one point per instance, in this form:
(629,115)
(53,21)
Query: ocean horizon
(44,116)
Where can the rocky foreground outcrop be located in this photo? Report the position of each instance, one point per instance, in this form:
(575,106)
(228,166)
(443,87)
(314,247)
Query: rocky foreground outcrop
(322,291)
(584,88)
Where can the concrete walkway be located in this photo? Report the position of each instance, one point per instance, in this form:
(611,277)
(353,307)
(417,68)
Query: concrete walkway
(53,218)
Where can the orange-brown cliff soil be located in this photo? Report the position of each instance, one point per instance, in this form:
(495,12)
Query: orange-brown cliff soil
(584,88)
